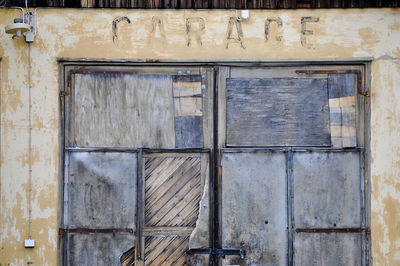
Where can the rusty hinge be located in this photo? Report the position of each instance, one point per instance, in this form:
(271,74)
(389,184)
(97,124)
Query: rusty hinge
(218,251)
(68,91)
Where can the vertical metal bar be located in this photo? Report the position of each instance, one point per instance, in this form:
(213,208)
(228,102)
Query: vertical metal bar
(140,211)
(66,181)
(363,221)
(215,184)
(290,218)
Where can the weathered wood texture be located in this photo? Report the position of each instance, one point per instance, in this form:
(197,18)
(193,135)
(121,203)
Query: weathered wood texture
(122,110)
(102,190)
(342,107)
(277,112)
(188,103)
(254,208)
(217,4)
(172,191)
(97,249)
(335,249)
(327,190)
(168,251)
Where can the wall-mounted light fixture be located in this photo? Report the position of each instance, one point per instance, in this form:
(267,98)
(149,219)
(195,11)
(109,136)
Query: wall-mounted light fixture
(23,26)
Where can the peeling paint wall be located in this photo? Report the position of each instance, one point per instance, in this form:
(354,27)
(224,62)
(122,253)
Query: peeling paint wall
(156,34)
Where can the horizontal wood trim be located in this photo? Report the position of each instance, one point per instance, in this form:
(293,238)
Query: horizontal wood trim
(189,4)
(168,231)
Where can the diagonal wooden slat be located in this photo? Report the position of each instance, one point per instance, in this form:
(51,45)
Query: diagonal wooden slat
(166,250)
(172,191)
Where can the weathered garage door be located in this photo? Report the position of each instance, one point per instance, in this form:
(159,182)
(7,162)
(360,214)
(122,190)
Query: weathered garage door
(147,182)
(291,178)
(137,142)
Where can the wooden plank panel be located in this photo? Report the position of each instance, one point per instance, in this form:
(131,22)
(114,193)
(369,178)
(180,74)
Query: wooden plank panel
(342,106)
(102,190)
(97,249)
(334,249)
(172,191)
(188,106)
(166,251)
(277,112)
(254,208)
(123,110)
(188,132)
(327,189)
(184,88)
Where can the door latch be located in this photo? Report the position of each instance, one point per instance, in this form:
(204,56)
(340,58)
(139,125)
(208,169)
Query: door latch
(217,251)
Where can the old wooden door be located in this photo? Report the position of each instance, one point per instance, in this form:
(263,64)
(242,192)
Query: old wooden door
(136,155)
(158,171)
(291,165)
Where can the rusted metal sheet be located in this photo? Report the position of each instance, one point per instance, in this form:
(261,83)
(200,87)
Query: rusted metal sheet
(172,191)
(168,251)
(327,189)
(97,249)
(277,112)
(121,110)
(101,190)
(335,249)
(254,207)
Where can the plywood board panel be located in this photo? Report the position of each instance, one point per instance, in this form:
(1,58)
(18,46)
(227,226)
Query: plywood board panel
(342,106)
(327,189)
(122,110)
(277,112)
(172,191)
(335,249)
(98,249)
(188,106)
(102,190)
(254,208)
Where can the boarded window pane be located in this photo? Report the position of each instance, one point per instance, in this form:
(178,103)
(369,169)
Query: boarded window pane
(254,209)
(122,110)
(98,249)
(335,249)
(327,189)
(102,190)
(277,112)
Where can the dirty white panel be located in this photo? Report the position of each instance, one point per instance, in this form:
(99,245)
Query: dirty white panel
(102,190)
(334,249)
(98,249)
(254,209)
(122,110)
(327,189)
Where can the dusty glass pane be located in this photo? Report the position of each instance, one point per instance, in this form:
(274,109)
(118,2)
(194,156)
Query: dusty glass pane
(334,249)
(98,249)
(254,209)
(102,190)
(327,189)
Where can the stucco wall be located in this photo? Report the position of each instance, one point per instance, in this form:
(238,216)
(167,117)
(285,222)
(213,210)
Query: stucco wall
(88,34)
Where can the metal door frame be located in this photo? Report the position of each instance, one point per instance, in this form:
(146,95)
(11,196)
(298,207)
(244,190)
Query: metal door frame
(215,151)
